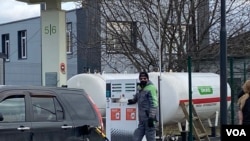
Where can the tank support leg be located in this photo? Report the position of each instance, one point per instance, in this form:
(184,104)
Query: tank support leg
(213,126)
(183,127)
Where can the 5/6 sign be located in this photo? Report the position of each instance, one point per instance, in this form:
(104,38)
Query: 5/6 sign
(50,29)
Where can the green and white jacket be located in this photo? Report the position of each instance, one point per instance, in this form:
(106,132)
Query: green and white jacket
(147,99)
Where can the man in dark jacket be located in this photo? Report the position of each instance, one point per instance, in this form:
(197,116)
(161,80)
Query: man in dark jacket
(147,99)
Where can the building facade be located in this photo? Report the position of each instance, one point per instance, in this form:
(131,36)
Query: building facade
(21,43)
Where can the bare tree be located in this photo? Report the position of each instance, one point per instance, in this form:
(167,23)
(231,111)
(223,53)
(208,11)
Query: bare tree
(133,32)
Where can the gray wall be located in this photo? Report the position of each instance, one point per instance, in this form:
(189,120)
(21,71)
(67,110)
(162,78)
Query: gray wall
(28,71)
(24,71)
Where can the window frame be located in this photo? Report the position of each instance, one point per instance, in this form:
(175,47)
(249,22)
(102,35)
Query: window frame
(21,96)
(6,46)
(121,35)
(22,44)
(42,108)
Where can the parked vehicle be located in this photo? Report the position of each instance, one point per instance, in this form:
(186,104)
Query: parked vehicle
(37,113)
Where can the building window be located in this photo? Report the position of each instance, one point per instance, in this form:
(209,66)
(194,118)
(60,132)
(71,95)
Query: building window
(120,36)
(177,33)
(69,38)
(6,46)
(22,44)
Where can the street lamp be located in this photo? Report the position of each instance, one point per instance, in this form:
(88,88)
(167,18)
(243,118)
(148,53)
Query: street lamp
(159,78)
(159,40)
(223,67)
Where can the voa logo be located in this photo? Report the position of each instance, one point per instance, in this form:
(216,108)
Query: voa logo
(236,132)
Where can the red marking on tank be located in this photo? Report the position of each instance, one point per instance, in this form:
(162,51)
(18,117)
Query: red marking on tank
(205,100)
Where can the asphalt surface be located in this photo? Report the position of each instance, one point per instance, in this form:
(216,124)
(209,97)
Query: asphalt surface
(179,138)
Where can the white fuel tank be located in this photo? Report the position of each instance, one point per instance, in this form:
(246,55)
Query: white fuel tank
(174,88)
(95,86)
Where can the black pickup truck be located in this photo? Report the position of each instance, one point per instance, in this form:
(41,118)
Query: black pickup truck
(37,113)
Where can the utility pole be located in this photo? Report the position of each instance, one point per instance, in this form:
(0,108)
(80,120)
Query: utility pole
(223,66)
(159,78)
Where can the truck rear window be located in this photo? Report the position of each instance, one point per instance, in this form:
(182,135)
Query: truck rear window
(81,104)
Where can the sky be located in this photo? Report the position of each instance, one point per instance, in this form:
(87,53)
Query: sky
(12,10)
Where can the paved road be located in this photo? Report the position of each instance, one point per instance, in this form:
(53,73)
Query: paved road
(178,138)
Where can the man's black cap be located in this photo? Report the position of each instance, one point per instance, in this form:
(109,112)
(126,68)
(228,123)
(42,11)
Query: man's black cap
(143,74)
